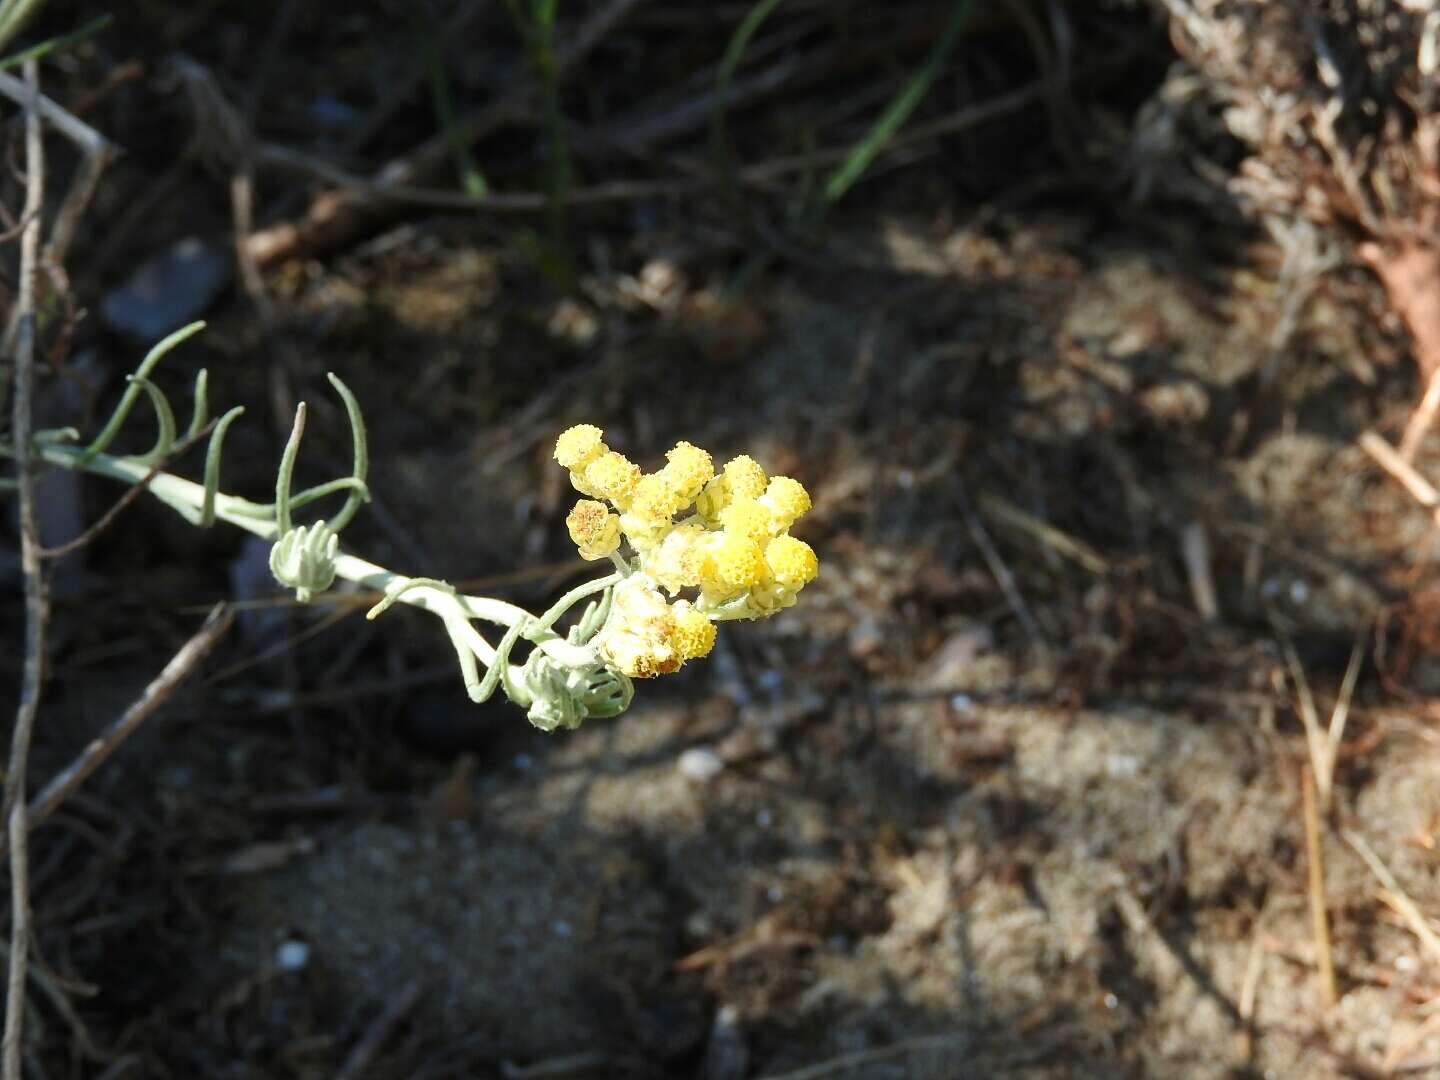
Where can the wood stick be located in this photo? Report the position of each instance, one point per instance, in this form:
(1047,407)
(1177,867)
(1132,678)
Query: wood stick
(380,1031)
(1320,921)
(336,216)
(160,690)
(1389,459)
(1421,419)
(11,1048)
(1397,898)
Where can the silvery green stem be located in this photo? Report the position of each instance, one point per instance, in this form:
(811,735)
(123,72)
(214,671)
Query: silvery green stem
(187,498)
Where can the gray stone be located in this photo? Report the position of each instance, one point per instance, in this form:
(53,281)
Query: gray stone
(168,290)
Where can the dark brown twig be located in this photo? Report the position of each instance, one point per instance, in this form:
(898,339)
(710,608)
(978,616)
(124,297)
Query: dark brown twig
(98,152)
(1319,919)
(336,216)
(380,1031)
(160,690)
(108,518)
(35,600)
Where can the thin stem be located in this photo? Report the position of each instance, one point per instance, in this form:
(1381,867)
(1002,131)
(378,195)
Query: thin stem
(188,499)
(319,491)
(571,598)
(14,14)
(35,601)
(99,750)
(499,665)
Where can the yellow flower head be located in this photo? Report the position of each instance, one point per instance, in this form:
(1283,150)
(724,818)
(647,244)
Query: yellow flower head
(610,476)
(792,562)
(739,564)
(744,478)
(786,499)
(688,469)
(640,636)
(694,634)
(746,518)
(594,529)
(681,559)
(655,498)
(578,446)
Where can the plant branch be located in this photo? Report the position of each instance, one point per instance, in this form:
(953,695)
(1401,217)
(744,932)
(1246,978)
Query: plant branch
(188,498)
(35,600)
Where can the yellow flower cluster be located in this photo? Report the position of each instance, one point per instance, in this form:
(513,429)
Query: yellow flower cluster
(646,636)
(725,535)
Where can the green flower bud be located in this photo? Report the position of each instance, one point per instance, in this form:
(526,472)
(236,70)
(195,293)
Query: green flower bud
(565,697)
(304,559)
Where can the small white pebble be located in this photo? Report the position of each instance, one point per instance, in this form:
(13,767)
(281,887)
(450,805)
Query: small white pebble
(1111,1001)
(961,702)
(1122,766)
(905,479)
(1405,964)
(292,956)
(700,763)
(1299,592)
(763,818)
(774,894)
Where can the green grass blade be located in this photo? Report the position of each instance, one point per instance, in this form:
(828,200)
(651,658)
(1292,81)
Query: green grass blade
(734,53)
(35,52)
(898,111)
(472,180)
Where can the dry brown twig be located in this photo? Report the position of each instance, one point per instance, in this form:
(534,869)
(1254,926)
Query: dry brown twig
(97,152)
(160,690)
(380,1031)
(23,319)
(337,215)
(1320,919)
(1394,895)
(118,507)
(1393,462)
(1322,744)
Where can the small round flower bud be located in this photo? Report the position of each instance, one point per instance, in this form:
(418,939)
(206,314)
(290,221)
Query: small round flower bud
(578,446)
(610,476)
(655,498)
(744,478)
(713,498)
(792,562)
(786,499)
(746,518)
(688,469)
(694,635)
(594,529)
(739,564)
(679,561)
(637,639)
